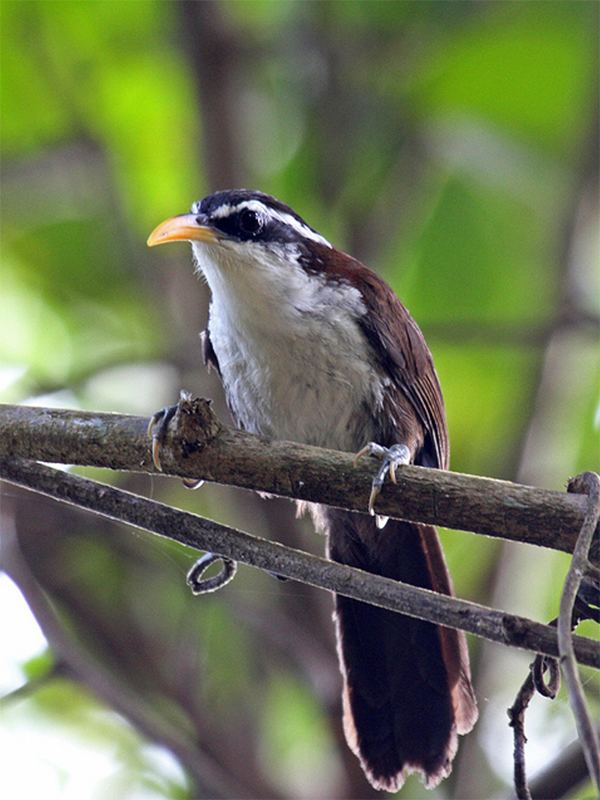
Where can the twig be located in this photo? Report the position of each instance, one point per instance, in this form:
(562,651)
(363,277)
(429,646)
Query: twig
(199,446)
(516,714)
(535,681)
(574,607)
(272,557)
(589,483)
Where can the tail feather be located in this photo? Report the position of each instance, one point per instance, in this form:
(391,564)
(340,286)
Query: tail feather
(407,684)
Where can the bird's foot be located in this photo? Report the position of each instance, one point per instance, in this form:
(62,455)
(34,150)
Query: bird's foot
(158,427)
(391,459)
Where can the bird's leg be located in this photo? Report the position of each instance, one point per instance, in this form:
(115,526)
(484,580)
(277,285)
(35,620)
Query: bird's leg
(391,458)
(158,426)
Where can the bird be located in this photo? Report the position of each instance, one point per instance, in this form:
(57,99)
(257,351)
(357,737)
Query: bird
(313,346)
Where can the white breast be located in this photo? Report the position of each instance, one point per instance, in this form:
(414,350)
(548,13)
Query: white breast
(294,362)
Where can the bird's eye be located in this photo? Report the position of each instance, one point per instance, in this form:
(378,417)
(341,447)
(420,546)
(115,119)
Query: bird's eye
(250,223)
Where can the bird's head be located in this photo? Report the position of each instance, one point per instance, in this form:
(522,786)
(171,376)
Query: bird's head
(263,262)
(243,231)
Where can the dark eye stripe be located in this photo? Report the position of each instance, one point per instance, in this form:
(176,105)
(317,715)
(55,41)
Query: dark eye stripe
(279,223)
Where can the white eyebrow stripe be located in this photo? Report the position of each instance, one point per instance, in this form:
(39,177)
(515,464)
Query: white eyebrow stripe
(287,219)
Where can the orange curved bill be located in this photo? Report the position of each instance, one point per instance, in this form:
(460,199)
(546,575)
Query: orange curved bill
(182,228)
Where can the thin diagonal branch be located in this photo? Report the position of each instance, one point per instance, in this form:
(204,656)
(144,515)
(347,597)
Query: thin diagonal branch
(571,612)
(203,534)
(589,483)
(535,681)
(199,446)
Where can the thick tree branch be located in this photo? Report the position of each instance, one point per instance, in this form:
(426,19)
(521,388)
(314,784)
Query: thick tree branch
(199,446)
(203,534)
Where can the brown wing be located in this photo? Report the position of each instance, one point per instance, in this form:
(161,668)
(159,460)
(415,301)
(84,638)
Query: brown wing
(400,345)
(407,684)
(402,352)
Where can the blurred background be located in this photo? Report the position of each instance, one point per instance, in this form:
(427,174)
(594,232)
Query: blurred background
(452,146)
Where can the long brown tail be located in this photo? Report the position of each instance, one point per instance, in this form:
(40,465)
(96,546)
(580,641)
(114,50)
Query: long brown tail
(407,683)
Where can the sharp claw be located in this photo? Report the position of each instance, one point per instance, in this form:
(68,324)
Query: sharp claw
(156,452)
(375,490)
(392,472)
(152,422)
(157,427)
(151,431)
(361,454)
(391,457)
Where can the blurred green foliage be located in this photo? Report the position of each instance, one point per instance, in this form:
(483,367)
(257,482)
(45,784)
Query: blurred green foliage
(451,146)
